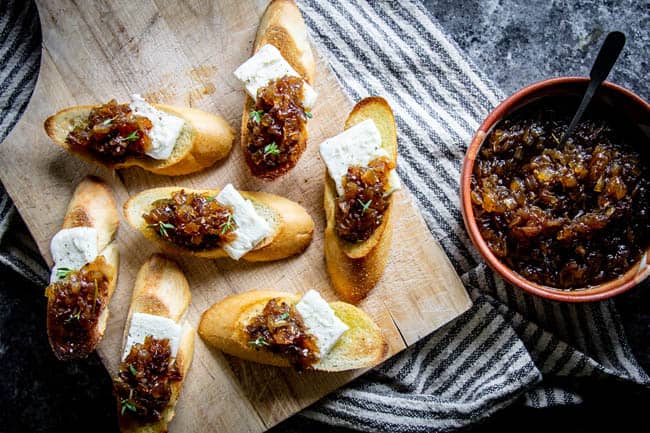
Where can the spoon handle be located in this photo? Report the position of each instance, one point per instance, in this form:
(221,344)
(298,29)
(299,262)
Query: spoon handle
(591,90)
(607,56)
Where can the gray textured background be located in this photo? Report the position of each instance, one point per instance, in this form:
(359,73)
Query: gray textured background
(515,43)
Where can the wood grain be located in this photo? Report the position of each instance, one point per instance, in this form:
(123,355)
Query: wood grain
(184,53)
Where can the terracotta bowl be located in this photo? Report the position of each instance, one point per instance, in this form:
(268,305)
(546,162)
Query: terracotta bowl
(610,98)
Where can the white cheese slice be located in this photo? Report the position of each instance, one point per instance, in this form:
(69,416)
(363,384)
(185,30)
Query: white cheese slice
(165,131)
(320,320)
(251,228)
(266,65)
(357,145)
(72,248)
(143,324)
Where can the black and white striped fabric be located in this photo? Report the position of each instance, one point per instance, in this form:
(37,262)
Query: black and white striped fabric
(509,346)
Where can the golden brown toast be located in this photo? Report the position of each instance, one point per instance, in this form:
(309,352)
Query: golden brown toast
(205,139)
(282,26)
(161,289)
(292,226)
(223,326)
(356,267)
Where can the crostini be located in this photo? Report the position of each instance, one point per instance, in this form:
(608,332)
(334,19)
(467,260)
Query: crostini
(254,226)
(359,186)
(289,330)
(84,274)
(278,79)
(157,349)
(161,139)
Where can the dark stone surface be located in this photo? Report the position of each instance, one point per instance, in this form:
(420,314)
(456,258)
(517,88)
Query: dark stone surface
(515,43)
(519,42)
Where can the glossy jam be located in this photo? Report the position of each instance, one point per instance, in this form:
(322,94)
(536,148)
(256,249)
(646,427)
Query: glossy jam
(280,329)
(143,384)
(360,209)
(277,128)
(74,306)
(112,133)
(568,216)
(193,221)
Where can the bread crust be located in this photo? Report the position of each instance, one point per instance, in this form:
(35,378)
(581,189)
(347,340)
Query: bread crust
(293,226)
(92,205)
(355,268)
(282,26)
(161,289)
(210,140)
(223,326)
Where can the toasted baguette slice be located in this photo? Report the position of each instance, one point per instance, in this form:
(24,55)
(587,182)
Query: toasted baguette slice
(356,267)
(161,289)
(292,226)
(92,205)
(205,139)
(282,26)
(223,326)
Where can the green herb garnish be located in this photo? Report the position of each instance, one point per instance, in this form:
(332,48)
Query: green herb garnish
(162,227)
(133,370)
(61,273)
(227,225)
(285,316)
(127,405)
(271,149)
(259,342)
(108,121)
(132,136)
(256,116)
(308,114)
(365,205)
(76,316)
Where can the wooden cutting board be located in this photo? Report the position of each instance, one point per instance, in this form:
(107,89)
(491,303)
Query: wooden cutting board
(184,53)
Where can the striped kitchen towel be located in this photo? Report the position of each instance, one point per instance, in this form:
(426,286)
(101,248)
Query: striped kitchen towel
(509,346)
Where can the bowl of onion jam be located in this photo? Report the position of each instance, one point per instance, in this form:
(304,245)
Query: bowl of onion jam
(568,221)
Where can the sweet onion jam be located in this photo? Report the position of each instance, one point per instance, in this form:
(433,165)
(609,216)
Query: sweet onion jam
(569,215)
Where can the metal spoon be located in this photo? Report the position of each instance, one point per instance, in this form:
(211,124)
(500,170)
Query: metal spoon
(605,60)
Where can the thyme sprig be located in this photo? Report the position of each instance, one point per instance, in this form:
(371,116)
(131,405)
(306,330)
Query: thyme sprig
(271,149)
(62,273)
(227,225)
(132,136)
(259,342)
(127,405)
(256,116)
(162,227)
(365,206)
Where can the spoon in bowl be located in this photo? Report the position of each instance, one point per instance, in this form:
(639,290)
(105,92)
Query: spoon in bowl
(605,60)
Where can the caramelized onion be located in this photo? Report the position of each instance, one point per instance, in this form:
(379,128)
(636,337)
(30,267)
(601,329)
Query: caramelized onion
(567,216)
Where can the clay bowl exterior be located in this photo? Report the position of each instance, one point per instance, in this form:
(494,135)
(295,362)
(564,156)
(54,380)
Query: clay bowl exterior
(634,108)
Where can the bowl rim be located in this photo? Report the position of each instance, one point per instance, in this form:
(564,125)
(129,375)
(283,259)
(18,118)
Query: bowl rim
(631,278)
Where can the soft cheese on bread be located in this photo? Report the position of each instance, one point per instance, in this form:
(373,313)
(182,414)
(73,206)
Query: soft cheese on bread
(267,227)
(345,337)
(251,227)
(265,65)
(158,348)
(165,131)
(355,264)
(72,248)
(84,275)
(321,321)
(357,145)
(143,324)
(179,140)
